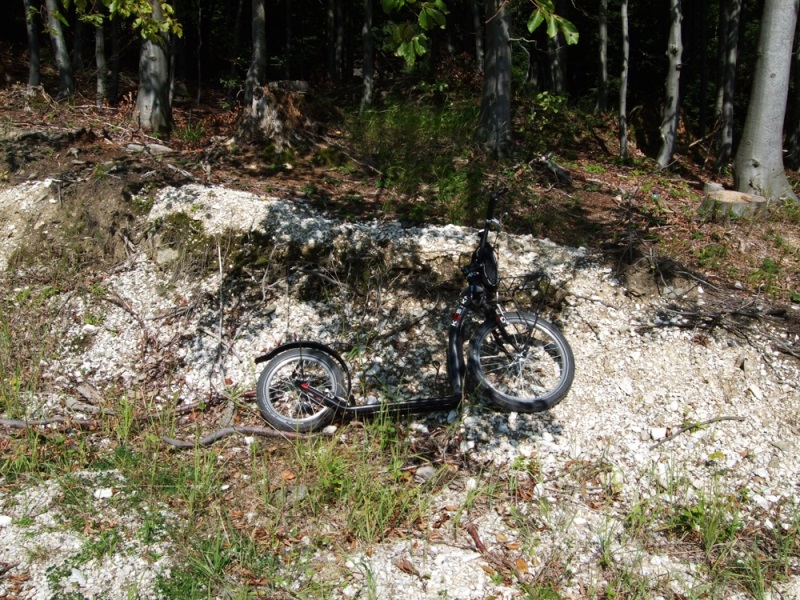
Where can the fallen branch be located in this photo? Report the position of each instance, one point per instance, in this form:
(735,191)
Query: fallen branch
(228,431)
(694,427)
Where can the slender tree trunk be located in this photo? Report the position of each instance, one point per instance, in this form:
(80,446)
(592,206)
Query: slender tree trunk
(793,126)
(670,115)
(67,83)
(557,50)
(287,72)
(199,54)
(700,18)
(100,61)
(558,64)
(494,128)
(722,36)
(623,84)
(369,65)
(34,70)
(602,87)
(758,166)
(153,111)
(257,73)
(477,27)
(339,53)
(113,84)
(77,46)
(730,44)
(335,29)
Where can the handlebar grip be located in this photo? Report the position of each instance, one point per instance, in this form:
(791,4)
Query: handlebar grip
(493,202)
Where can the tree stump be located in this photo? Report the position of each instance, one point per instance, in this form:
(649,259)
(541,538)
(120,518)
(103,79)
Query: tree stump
(722,206)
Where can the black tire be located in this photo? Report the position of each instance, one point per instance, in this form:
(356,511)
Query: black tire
(283,404)
(528,370)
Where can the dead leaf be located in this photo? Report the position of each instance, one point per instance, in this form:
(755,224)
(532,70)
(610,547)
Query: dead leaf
(406,567)
(288,475)
(521,565)
(501,538)
(488,570)
(513,546)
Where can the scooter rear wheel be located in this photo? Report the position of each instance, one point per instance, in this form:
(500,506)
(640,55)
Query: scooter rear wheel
(524,365)
(280,398)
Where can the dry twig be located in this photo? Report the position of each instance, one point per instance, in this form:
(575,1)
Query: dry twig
(695,426)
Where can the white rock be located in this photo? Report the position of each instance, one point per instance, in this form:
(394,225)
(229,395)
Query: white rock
(658,433)
(103,493)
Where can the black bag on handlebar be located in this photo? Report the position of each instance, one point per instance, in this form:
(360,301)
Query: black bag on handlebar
(486,261)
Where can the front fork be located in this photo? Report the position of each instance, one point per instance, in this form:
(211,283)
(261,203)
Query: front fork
(456,367)
(471,298)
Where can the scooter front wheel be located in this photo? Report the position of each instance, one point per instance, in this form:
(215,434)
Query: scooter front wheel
(524,364)
(281,398)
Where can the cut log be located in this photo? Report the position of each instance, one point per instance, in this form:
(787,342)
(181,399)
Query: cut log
(723,205)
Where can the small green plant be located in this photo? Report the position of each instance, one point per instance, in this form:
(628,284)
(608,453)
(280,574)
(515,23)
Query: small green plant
(766,275)
(593,168)
(712,255)
(190,132)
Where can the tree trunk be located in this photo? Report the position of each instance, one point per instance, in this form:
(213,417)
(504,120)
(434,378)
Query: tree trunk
(34,70)
(287,26)
(272,114)
(793,125)
(558,64)
(335,27)
(699,16)
(116,49)
(670,115)
(153,111)
(257,73)
(369,65)
(477,28)
(494,128)
(623,84)
(78,32)
(602,87)
(730,44)
(758,165)
(66,81)
(100,61)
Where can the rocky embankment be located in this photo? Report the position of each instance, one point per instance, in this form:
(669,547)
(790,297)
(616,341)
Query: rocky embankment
(659,414)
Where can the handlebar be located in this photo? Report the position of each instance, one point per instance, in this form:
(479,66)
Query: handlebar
(484,262)
(489,216)
(493,202)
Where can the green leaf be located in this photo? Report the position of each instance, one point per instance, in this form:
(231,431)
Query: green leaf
(61,18)
(546,6)
(391,5)
(423,19)
(569,31)
(420,45)
(438,17)
(552,26)
(537,18)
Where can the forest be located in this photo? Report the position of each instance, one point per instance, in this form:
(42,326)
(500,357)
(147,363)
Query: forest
(689,74)
(428,95)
